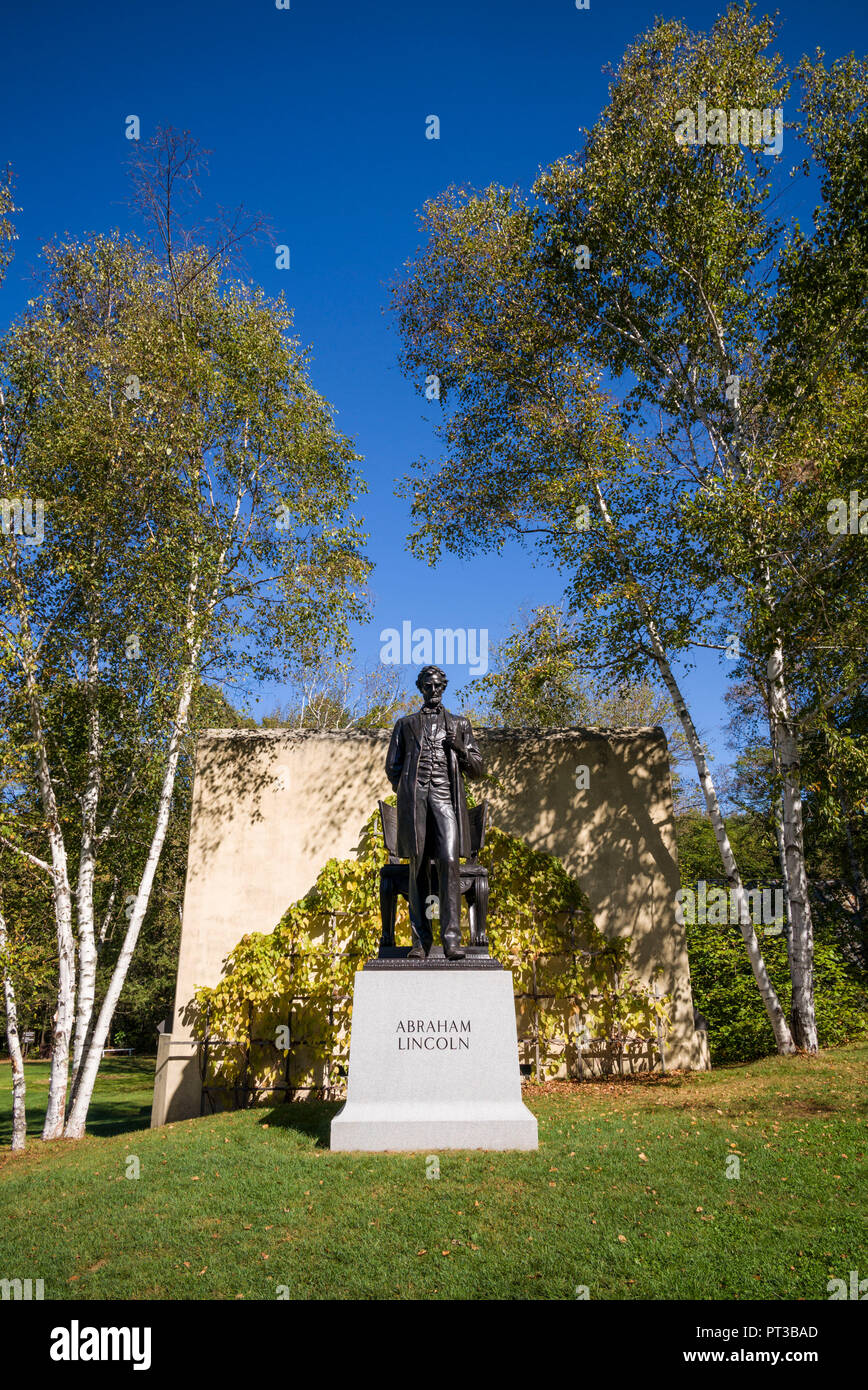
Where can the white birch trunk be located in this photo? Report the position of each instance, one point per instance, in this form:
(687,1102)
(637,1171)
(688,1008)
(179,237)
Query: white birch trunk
(87,949)
(779,832)
(59,1077)
(801,936)
(52,1127)
(19,1088)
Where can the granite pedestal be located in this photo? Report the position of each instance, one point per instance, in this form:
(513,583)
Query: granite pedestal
(433,1061)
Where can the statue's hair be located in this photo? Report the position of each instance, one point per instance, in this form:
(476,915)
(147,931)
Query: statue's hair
(434,671)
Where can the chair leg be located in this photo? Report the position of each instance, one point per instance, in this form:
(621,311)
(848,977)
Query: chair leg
(471,914)
(480,910)
(388,910)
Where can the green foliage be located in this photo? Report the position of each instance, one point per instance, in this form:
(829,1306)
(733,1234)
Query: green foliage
(534,677)
(537,680)
(720,974)
(568,976)
(7,226)
(698,856)
(725,992)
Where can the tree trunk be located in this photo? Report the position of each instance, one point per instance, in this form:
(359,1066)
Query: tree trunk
(779,833)
(783,1037)
(19,1117)
(59,1075)
(87,950)
(801,936)
(57,870)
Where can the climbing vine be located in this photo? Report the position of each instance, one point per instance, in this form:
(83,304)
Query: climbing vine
(279,1019)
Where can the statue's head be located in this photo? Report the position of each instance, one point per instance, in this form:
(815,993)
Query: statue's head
(432,682)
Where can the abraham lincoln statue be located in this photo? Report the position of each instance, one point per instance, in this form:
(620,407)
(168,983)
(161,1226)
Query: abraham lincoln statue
(430,753)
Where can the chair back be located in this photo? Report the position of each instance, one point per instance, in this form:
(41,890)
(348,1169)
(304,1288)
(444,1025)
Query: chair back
(389,822)
(478,825)
(478,816)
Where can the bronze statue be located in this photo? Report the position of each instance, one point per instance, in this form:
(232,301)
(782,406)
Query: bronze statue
(430,753)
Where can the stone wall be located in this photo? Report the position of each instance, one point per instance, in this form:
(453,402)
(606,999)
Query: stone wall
(270,807)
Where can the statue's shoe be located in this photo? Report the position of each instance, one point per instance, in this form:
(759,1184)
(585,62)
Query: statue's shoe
(453,953)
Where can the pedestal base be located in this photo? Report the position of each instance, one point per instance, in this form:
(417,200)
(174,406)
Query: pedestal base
(433,1064)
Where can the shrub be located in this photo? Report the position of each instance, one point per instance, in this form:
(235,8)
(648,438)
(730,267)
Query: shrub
(725,991)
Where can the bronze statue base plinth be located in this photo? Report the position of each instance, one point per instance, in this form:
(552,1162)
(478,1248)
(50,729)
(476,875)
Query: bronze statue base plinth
(396,958)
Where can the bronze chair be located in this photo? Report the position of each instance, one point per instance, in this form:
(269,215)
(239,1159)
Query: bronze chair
(395,876)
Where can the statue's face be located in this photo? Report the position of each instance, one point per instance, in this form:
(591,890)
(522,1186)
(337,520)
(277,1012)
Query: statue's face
(432,688)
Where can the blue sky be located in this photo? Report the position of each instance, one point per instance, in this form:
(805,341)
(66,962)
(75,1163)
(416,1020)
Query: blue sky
(316,117)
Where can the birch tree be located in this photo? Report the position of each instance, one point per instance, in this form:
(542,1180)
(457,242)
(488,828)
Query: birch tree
(198,528)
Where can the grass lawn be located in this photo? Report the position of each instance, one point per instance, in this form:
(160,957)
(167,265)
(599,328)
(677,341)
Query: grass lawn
(121,1101)
(627,1195)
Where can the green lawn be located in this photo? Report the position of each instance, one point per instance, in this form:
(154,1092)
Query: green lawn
(121,1102)
(627,1195)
